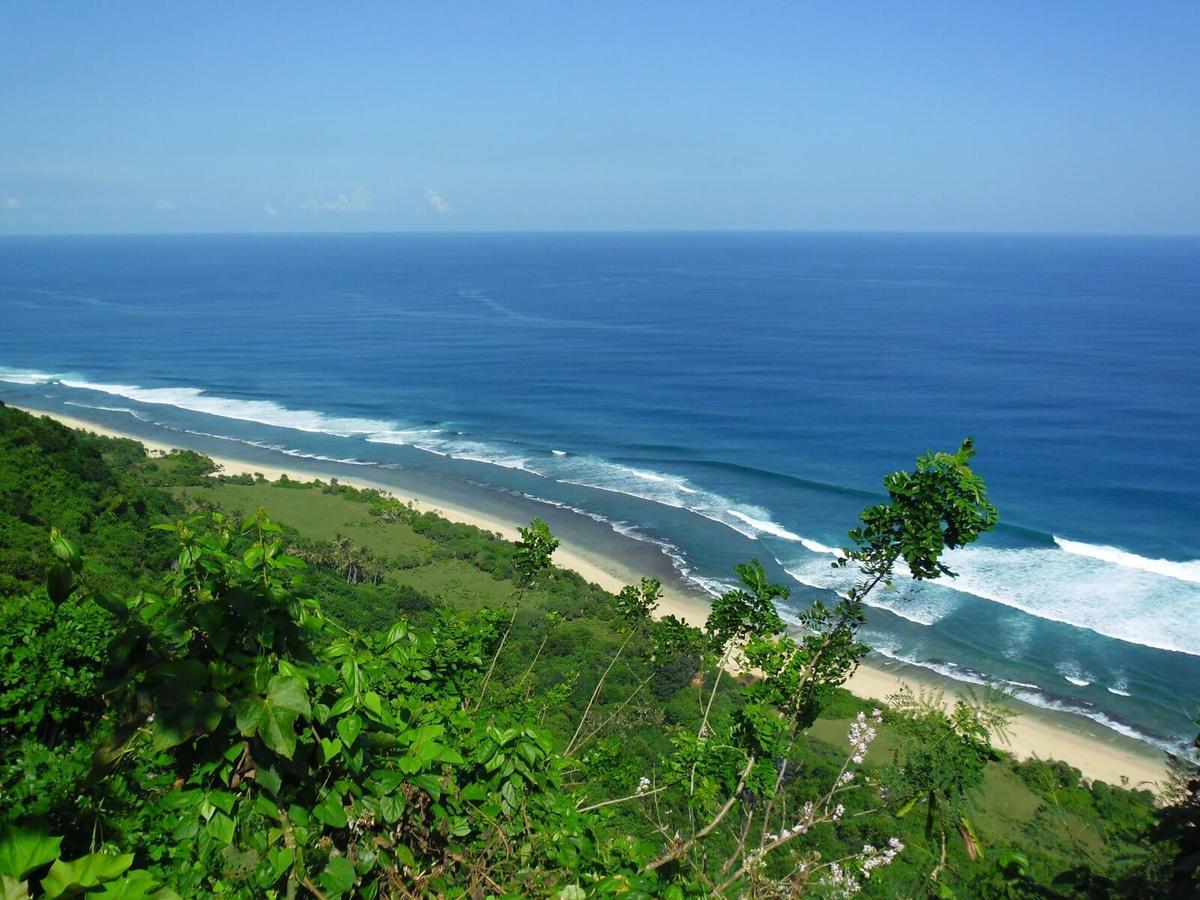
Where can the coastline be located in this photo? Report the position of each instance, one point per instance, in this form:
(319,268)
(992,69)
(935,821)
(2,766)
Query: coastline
(1036,733)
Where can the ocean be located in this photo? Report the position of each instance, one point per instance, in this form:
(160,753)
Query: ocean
(693,400)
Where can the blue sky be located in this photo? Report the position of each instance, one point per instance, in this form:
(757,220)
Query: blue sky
(163,117)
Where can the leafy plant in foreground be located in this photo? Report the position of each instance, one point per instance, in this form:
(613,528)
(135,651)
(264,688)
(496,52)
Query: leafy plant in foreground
(256,747)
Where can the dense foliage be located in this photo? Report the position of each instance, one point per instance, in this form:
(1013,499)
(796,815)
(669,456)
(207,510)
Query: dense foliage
(51,476)
(213,702)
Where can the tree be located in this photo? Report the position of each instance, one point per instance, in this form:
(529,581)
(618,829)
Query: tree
(941,760)
(1179,824)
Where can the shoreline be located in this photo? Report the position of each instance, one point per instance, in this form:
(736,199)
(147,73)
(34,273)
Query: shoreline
(1035,733)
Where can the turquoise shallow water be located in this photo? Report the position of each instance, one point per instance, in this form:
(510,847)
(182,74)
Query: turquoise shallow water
(711,397)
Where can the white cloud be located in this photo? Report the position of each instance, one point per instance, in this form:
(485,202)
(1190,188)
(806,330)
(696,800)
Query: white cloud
(12,203)
(358,200)
(164,206)
(437,203)
(271,210)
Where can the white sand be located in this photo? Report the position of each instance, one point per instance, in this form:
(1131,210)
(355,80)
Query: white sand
(1034,735)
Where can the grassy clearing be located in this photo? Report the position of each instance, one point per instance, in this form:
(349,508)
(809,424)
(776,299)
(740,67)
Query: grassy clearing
(419,562)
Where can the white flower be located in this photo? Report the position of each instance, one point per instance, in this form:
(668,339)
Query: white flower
(870,858)
(861,735)
(846,778)
(643,785)
(837,811)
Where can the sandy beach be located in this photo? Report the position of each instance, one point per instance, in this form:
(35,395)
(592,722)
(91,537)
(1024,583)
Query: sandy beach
(1035,733)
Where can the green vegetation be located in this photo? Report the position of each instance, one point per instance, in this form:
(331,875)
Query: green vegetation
(228,686)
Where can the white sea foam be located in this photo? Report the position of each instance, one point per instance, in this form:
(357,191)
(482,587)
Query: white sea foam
(1182,571)
(1132,604)
(26,376)
(1023,684)
(1072,673)
(141,417)
(817,547)
(433,440)
(665,489)
(946,669)
(263,412)
(559,452)
(765,526)
(1120,687)
(1129,604)
(262,445)
(1034,696)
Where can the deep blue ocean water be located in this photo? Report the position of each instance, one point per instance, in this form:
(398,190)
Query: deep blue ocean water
(705,398)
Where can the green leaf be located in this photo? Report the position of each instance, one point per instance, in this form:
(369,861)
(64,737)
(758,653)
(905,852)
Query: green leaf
(133,885)
(175,724)
(65,551)
(430,784)
(348,728)
(22,850)
(338,876)
(85,872)
(266,807)
(293,670)
(330,749)
(404,856)
(59,582)
(221,827)
(373,703)
(273,719)
(279,860)
(331,812)
(248,714)
(222,800)
(11,889)
(392,808)
(509,795)
(341,705)
(268,779)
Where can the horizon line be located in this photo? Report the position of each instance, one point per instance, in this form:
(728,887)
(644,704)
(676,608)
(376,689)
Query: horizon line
(598,231)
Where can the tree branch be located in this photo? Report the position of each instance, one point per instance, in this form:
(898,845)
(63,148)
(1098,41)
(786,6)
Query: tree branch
(678,851)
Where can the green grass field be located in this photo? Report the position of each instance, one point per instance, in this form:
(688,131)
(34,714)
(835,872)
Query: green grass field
(317,514)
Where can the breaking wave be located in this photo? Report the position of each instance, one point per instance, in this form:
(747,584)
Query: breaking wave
(1073,588)
(1182,571)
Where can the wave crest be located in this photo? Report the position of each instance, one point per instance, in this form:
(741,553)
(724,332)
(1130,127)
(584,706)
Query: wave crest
(1181,571)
